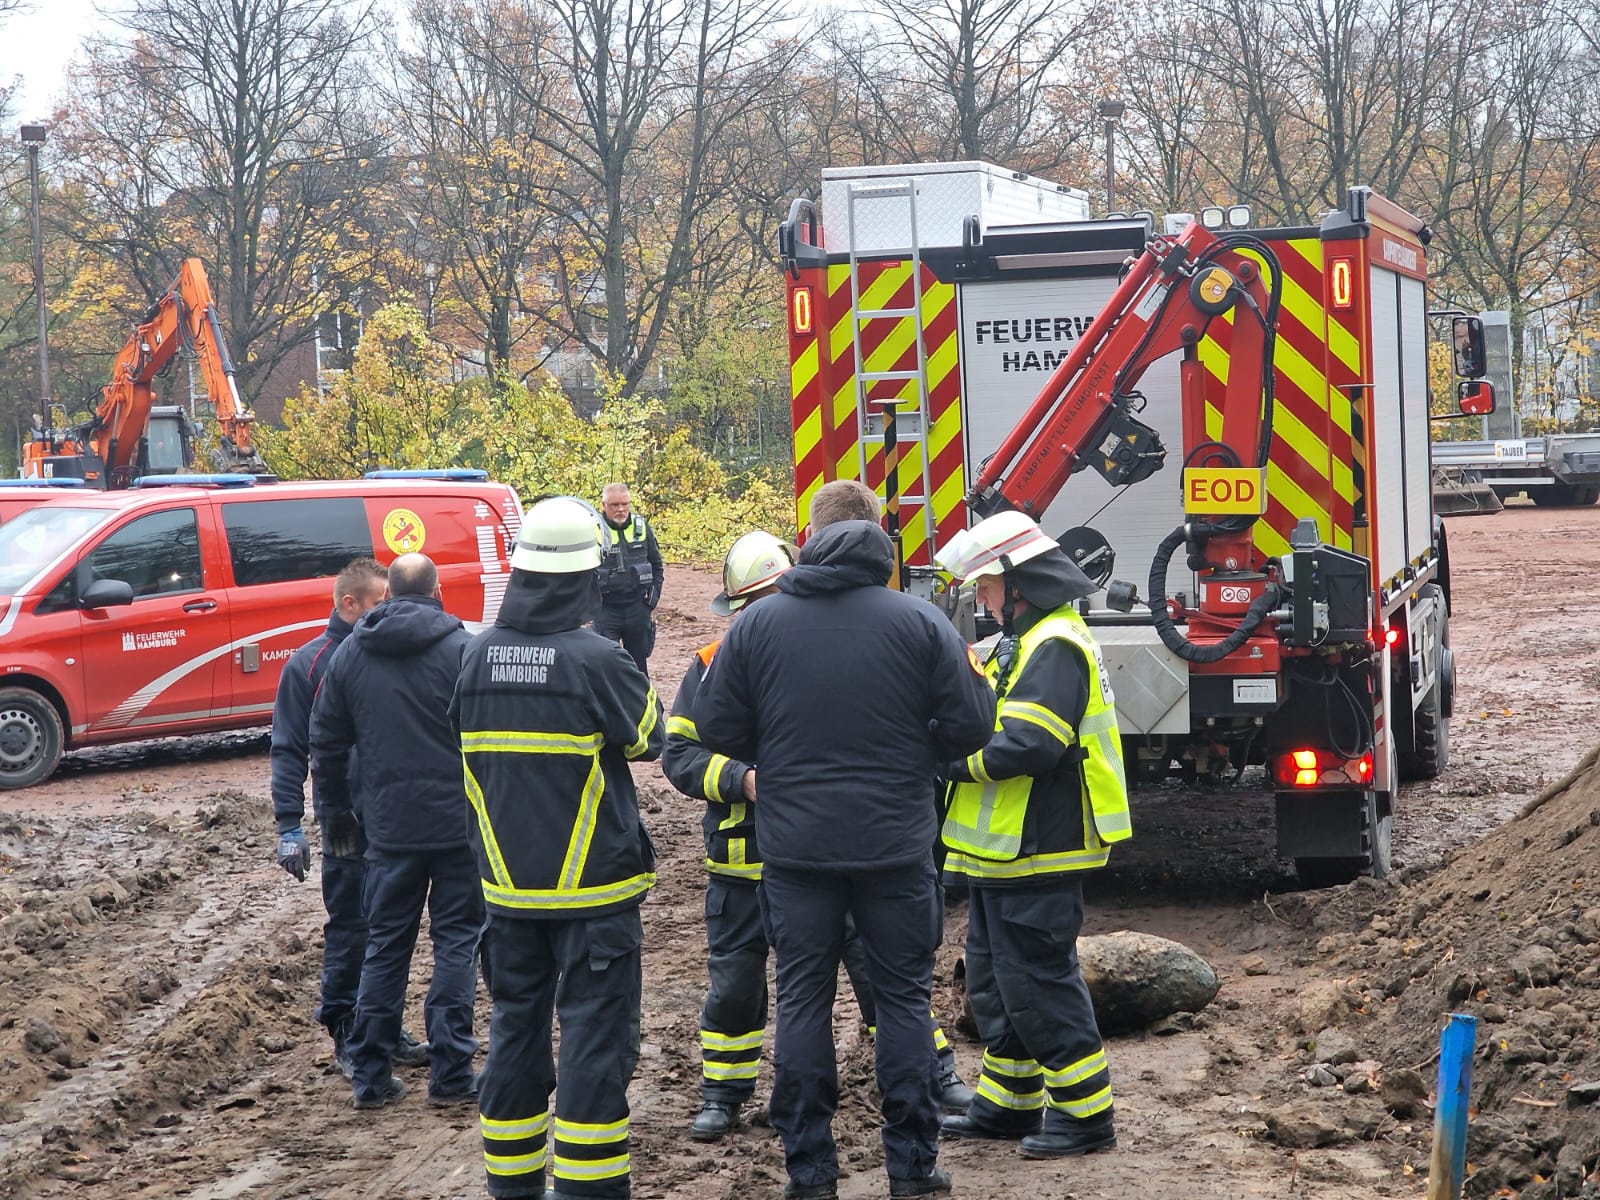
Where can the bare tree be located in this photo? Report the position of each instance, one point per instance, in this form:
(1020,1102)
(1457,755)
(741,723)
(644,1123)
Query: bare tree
(483,167)
(1291,102)
(1516,169)
(637,101)
(977,72)
(232,129)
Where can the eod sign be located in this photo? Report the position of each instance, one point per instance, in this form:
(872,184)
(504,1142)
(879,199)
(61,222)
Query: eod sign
(1226,491)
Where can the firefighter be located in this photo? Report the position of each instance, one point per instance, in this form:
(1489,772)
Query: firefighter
(848,695)
(631,578)
(1028,814)
(734,1018)
(357,590)
(549,716)
(384,696)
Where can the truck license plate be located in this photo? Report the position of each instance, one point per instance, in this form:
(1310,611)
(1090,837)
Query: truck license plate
(1255,691)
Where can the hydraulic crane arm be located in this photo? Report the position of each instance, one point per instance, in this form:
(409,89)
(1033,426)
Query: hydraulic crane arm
(1083,417)
(184,316)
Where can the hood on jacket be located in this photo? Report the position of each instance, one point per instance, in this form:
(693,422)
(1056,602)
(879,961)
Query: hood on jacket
(537,602)
(849,554)
(404,625)
(338,628)
(1050,580)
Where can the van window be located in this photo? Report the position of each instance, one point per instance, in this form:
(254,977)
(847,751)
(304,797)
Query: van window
(31,540)
(275,540)
(155,555)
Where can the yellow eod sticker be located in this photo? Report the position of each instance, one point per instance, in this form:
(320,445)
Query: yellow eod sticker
(1225,491)
(403,531)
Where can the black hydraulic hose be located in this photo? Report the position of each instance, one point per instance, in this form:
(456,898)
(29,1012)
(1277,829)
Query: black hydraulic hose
(1167,629)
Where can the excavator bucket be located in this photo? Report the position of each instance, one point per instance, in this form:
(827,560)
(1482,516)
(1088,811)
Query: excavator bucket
(1462,494)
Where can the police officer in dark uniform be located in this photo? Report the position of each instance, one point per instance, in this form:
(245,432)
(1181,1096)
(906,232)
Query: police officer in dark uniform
(356,591)
(631,577)
(549,716)
(849,696)
(1033,810)
(734,1018)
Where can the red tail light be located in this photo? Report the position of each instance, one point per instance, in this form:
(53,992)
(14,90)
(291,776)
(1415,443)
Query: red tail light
(1391,636)
(1321,768)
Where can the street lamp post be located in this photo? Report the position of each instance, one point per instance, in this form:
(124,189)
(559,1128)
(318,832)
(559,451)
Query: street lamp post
(1109,111)
(33,138)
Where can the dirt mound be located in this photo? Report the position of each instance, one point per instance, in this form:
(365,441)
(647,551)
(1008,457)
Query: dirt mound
(1507,930)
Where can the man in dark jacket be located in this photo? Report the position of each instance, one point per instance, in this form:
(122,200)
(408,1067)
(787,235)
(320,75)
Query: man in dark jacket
(630,576)
(734,1018)
(385,695)
(357,590)
(849,695)
(549,716)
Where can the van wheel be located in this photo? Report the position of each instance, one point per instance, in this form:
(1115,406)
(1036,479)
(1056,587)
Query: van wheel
(30,738)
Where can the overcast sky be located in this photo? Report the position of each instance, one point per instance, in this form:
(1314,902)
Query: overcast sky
(36,46)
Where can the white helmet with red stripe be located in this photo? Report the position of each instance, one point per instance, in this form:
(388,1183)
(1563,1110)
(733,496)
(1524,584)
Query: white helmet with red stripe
(754,562)
(993,546)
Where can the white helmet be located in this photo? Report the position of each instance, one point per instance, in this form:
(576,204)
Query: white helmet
(993,546)
(753,562)
(559,536)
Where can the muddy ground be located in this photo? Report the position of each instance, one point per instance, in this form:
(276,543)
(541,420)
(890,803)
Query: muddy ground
(158,972)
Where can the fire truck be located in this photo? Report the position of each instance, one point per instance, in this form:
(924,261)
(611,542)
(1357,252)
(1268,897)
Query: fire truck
(129,435)
(964,339)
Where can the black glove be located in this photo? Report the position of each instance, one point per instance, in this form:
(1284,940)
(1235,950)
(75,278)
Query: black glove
(294,856)
(341,835)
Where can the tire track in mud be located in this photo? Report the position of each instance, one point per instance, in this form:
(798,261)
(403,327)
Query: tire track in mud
(145,1021)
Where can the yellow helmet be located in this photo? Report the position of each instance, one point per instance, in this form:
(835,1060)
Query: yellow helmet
(993,546)
(754,562)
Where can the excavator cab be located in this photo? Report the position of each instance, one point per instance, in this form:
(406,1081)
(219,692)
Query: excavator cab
(169,447)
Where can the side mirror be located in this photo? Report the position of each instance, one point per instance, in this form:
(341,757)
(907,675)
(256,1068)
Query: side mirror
(107,593)
(1475,397)
(1466,334)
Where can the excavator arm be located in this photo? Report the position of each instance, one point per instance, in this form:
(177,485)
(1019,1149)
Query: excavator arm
(184,316)
(1084,415)
(106,448)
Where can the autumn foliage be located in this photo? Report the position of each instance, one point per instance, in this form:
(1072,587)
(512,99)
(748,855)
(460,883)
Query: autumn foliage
(398,406)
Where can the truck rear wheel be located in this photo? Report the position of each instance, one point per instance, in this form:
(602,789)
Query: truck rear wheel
(30,738)
(1426,754)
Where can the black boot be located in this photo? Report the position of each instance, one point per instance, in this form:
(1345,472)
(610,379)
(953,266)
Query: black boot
(811,1191)
(964,1125)
(936,1182)
(390,1093)
(717,1119)
(409,1052)
(954,1094)
(1072,1138)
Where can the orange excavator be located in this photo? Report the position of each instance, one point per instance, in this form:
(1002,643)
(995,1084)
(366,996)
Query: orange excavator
(129,435)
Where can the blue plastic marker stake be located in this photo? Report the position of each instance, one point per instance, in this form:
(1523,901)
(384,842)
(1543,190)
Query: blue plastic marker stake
(1449,1163)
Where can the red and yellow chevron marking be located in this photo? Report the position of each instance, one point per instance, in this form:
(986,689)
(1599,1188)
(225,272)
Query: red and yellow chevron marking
(1308,465)
(824,400)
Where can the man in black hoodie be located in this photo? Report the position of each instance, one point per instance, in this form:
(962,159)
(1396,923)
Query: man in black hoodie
(357,590)
(385,694)
(849,695)
(549,716)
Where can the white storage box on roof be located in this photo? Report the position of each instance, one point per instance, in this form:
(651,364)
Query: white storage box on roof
(946,195)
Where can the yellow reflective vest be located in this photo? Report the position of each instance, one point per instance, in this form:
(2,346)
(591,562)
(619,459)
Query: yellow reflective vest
(1006,827)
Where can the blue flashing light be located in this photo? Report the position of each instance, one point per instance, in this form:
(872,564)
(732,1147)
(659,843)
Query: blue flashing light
(63,482)
(219,480)
(454,474)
